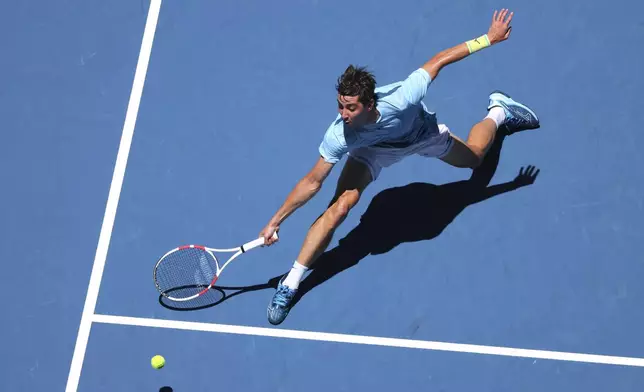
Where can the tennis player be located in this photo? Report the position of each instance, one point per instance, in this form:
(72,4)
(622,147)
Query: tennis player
(377,127)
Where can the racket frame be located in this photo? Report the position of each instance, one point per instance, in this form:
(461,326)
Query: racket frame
(238,251)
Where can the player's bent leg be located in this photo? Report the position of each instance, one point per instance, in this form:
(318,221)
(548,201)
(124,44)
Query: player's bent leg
(355,177)
(463,155)
(503,113)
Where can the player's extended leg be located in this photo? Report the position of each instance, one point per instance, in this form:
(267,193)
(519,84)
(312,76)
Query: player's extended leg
(504,113)
(354,178)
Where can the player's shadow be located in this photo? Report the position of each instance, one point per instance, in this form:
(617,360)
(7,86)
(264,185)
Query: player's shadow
(414,212)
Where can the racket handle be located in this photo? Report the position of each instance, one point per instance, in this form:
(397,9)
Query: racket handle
(255,243)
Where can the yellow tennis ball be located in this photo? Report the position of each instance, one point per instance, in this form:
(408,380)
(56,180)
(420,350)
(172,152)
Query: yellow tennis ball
(158,362)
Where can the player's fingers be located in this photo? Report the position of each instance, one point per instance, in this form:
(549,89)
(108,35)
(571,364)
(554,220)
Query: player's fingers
(494,16)
(507,22)
(503,15)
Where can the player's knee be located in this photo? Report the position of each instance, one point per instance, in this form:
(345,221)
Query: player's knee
(344,204)
(464,155)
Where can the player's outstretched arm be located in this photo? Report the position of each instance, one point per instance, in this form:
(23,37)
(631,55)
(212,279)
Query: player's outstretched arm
(499,31)
(303,191)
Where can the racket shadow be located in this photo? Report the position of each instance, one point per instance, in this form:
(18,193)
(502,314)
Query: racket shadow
(215,296)
(414,212)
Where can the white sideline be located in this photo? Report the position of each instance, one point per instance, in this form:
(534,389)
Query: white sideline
(113,197)
(370,340)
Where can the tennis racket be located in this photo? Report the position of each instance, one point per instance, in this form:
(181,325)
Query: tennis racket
(190,271)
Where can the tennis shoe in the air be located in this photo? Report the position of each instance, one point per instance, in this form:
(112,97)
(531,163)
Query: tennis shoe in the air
(280,304)
(518,117)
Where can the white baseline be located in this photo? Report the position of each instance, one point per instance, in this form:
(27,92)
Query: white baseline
(370,340)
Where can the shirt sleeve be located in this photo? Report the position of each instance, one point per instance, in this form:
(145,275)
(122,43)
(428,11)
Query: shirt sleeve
(333,147)
(414,88)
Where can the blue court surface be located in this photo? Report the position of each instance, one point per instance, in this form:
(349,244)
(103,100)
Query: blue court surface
(131,127)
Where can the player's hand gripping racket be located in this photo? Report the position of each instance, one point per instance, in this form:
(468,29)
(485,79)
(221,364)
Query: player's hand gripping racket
(189,271)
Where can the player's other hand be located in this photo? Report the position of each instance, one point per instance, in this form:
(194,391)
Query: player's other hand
(268,232)
(500,28)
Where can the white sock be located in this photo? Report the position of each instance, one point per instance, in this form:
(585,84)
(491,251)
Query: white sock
(497,114)
(294,276)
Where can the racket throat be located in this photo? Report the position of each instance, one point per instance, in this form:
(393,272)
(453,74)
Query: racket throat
(210,285)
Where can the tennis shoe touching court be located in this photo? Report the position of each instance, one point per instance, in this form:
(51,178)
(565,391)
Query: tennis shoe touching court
(412,196)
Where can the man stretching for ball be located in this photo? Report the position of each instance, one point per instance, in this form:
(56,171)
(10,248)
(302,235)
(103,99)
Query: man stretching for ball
(377,127)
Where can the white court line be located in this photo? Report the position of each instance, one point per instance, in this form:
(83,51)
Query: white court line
(370,340)
(113,197)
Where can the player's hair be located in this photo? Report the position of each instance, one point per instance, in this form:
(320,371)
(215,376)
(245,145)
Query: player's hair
(357,81)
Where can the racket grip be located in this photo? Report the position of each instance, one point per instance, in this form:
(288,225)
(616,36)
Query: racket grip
(255,243)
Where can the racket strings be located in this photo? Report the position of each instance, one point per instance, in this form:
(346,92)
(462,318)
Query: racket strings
(184,273)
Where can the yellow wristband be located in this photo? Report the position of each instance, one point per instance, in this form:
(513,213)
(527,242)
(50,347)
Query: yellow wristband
(477,44)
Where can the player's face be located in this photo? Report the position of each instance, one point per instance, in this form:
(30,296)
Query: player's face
(353,112)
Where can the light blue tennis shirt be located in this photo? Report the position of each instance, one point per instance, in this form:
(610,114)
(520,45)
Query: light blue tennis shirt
(404,120)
